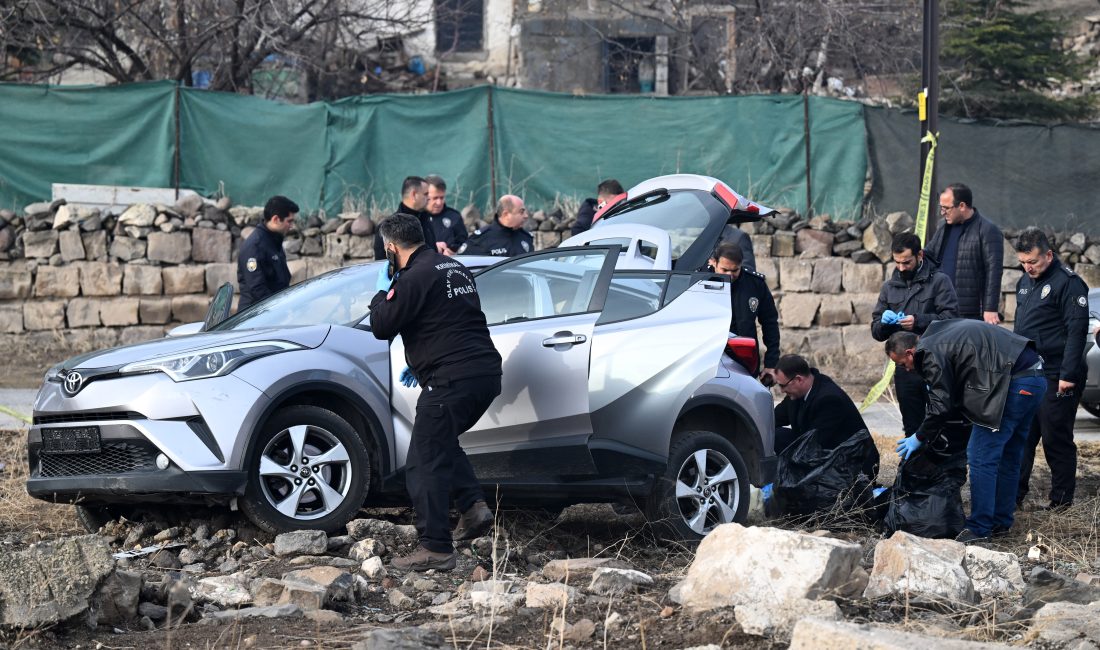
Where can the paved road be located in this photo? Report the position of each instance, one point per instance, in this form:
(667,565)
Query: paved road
(882,417)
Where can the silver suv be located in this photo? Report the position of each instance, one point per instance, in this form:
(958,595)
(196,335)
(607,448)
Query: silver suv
(620,384)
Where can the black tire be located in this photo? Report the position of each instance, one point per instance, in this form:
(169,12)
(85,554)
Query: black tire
(92,518)
(690,516)
(1093,409)
(327,495)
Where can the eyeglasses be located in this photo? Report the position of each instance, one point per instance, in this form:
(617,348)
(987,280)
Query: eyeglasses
(945,208)
(784,384)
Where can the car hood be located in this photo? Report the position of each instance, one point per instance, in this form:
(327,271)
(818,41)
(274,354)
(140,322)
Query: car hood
(309,336)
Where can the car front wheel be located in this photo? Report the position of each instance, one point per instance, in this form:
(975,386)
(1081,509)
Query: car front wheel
(705,485)
(308,470)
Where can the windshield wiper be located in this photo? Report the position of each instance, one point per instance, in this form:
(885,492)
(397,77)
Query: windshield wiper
(654,196)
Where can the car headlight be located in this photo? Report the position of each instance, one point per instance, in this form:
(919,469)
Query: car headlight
(209,362)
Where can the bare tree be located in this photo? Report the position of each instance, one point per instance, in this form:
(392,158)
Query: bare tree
(137,40)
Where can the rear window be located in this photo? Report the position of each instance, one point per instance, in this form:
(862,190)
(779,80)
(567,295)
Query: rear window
(684,216)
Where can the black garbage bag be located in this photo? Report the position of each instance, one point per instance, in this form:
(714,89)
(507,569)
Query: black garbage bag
(926,499)
(814,479)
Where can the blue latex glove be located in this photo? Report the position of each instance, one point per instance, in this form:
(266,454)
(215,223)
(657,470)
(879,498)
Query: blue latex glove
(408,378)
(384,280)
(908,445)
(889,317)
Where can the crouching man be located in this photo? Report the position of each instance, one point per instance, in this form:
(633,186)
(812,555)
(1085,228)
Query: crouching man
(813,402)
(994,379)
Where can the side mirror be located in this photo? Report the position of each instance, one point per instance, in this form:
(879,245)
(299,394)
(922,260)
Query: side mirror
(219,307)
(185,329)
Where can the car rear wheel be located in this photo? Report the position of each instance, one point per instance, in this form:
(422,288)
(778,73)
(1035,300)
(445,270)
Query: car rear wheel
(308,470)
(1093,409)
(705,485)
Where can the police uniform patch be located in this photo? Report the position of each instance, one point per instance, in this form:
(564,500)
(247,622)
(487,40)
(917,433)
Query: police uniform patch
(1023,292)
(1081,300)
(478,231)
(526,246)
(251,264)
(1045,292)
(446,222)
(753,304)
(389,295)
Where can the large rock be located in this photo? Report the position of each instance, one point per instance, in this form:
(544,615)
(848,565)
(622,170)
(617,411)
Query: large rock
(735,566)
(170,247)
(72,245)
(44,315)
(140,279)
(899,222)
(799,309)
(155,310)
(219,274)
(365,549)
(861,278)
(338,585)
(39,244)
(56,281)
(272,611)
(607,580)
(301,542)
(412,638)
(16,284)
(11,319)
(224,591)
(1090,273)
(783,244)
(189,205)
(83,312)
(553,595)
(183,279)
(1009,278)
(795,275)
(835,310)
(125,249)
(907,565)
(141,215)
(210,245)
(52,581)
(827,275)
(116,600)
(877,240)
(579,570)
(814,243)
(994,574)
(769,268)
(1062,623)
(1045,586)
(817,634)
(100,279)
(189,309)
(119,312)
(776,621)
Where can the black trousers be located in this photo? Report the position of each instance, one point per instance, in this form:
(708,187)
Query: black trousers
(436,468)
(1054,426)
(912,399)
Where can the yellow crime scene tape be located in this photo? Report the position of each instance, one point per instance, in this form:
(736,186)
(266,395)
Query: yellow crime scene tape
(18,416)
(919,228)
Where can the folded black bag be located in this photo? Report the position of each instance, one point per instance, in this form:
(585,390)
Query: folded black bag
(926,498)
(813,479)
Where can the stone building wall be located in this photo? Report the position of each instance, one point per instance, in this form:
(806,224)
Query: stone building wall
(73,279)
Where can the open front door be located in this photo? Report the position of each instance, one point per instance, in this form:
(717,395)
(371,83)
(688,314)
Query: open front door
(219,307)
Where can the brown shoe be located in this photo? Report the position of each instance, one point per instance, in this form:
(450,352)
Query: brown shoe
(473,523)
(422,560)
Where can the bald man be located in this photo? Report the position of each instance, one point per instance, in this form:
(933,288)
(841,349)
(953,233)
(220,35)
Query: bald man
(505,237)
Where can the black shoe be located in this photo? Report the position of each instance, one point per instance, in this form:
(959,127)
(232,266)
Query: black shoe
(1056,506)
(473,523)
(968,536)
(1000,531)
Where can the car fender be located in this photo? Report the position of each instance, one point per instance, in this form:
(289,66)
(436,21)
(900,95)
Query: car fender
(748,421)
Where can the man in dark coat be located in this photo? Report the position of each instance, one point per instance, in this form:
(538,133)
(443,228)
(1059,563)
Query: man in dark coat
(750,300)
(924,295)
(261,263)
(446,221)
(969,250)
(414,198)
(605,191)
(505,237)
(813,402)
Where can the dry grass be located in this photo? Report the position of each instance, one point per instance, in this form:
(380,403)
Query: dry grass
(19,513)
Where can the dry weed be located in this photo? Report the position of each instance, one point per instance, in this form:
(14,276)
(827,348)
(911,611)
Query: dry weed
(19,512)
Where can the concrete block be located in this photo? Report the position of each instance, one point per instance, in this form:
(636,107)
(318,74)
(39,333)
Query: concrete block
(141,279)
(11,319)
(155,310)
(835,310)
(211,245)
(862,278)
(44,315)
(57,281)
(15,284)
(119,312)
(183,279)
(189,309)
(826,275)
(170,247)
(798,310)
(72,246)
(42,243)
(83,312)
(795,275)
(100,278)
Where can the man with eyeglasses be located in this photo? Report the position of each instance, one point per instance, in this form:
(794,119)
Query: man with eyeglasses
(969,250)
(261,263)
(813,402)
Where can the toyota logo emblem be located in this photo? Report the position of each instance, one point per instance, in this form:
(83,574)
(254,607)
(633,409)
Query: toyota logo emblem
(72,382)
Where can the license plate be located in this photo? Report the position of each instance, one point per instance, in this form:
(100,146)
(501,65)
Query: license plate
(71,440)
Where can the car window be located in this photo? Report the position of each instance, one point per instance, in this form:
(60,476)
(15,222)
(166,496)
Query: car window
(684,216)
(633,294)
(340,297)
(544,286)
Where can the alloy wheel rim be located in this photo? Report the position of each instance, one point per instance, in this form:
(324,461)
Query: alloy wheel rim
(305,472)
(707,490)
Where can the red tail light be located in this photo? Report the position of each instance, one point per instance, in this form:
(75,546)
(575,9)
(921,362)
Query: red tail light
(743,350)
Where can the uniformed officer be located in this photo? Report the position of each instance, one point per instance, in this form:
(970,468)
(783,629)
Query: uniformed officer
(432,302)
(261,262)
(446,221)
(414,198)
(505,237)
(751,301)
(1052,310)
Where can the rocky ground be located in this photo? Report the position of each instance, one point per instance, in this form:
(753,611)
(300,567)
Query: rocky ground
(589,577)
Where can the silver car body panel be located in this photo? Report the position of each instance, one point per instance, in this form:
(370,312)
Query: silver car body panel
(635,237)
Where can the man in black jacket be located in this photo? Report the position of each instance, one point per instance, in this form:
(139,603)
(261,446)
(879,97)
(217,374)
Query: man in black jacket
(813,402)
(1052,309)
(751,300)
(969,250)
(605,191)
(414,198)
(432,302)
(991,377)
(446,221)
(505,237)
(923,294)
(261,263)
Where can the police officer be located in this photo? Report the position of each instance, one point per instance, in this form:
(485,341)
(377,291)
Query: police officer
(751,301)
(432,302)
(414,198)
(446,221)
(261,262)
(1052,310)
(505,237)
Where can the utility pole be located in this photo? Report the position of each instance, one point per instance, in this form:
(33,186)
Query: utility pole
(929,104)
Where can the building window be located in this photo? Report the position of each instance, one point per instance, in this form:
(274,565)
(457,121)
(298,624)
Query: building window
(459,25)
(629,65)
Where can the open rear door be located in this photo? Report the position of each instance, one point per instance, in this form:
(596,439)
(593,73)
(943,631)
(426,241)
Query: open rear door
(645,248)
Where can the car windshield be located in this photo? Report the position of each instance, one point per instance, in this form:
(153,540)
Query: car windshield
(340,297)
(683,215)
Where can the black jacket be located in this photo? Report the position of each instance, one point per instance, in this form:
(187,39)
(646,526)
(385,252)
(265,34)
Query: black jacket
(1053,311)
(978,266)
(425,224)
(584,216)
(434,306)
(827,408)
(449,227)
(751,300)
(496,239)
(967,365)
(261,266)
(928,297)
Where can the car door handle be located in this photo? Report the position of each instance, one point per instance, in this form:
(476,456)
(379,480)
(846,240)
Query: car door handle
(564,338)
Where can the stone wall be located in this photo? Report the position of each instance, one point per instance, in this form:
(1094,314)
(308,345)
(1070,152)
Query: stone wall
(73,279)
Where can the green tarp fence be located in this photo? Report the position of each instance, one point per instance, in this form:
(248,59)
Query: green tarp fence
(353,153)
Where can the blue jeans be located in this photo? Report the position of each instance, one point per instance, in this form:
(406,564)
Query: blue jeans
(995,457)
